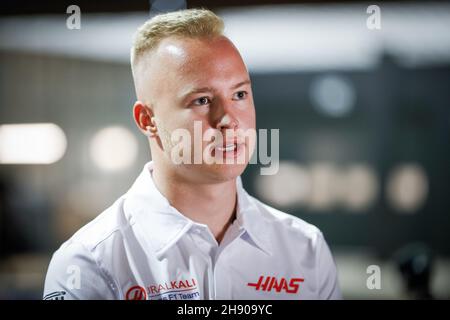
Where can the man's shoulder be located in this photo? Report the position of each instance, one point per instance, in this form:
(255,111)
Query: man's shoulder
(283,222)
(88,252)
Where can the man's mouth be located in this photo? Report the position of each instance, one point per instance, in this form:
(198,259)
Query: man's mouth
(229,147)
(229,150)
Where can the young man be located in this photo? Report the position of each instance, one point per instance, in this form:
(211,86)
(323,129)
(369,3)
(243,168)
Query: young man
(188,230)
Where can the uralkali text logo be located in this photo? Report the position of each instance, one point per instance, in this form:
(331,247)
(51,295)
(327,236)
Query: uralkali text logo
(173,285)
(277,285)
(170,290)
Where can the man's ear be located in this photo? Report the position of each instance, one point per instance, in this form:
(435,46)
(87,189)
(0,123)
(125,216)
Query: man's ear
(145,119)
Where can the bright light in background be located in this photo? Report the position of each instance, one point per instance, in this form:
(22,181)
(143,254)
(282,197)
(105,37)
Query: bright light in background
(320,186)
(293,40)
(333,95)
(289,187)
(34,143)
(291,37)
(359,188)
(326,182)
(114,148)
(407,187)
(324,186)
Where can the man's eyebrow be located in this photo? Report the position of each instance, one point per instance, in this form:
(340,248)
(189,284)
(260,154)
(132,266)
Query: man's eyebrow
(240,84)
(209,89)
(196,90)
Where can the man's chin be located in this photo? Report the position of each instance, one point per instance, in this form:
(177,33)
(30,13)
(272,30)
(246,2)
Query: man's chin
(217,172)
(228,171)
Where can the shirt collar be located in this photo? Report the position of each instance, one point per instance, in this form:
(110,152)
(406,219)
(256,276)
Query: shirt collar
(163,225)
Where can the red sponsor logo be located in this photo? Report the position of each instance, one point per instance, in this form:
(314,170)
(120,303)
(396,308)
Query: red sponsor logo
(136,293)
(272,283)
(172,285)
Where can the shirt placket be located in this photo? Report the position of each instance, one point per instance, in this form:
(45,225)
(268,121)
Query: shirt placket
(222,279)
(207,246)
(213,253)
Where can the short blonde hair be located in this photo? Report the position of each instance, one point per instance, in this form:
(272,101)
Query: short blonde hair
(189,23)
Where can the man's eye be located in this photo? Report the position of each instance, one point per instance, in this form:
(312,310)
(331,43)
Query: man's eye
(240,95)
(202,101)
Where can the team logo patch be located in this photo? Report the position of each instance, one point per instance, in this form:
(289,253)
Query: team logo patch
(136,293)
(277,285)
(56,295)
(172,290)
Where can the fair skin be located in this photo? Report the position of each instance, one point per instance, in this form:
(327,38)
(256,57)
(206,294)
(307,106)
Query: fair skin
(185,80)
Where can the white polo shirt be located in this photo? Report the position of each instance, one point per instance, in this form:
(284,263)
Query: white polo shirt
(143,248)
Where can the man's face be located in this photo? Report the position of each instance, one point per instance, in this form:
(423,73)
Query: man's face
(203,81)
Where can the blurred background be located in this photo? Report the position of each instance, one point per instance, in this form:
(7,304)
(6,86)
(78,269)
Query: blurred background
(361,98)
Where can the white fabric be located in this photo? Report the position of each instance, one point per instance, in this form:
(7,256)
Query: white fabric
(143,248)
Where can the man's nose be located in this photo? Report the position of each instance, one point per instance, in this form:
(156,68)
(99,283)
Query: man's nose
(227,118)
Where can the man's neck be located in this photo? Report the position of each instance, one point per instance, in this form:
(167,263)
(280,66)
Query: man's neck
(212,204)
